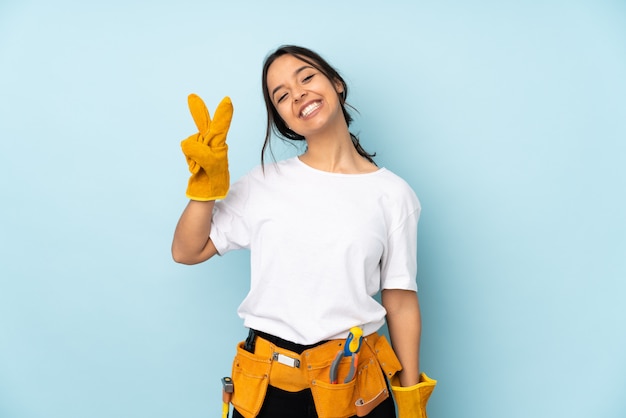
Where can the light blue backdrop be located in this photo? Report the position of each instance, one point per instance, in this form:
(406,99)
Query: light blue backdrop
(507,119)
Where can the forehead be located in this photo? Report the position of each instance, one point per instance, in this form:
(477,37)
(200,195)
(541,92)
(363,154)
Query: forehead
(283,68)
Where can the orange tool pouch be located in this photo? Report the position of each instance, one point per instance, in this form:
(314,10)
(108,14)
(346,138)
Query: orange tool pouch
(286,370)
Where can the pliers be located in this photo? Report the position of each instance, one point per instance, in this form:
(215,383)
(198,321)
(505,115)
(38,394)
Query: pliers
(351,349)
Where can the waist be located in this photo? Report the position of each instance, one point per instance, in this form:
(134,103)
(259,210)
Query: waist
(278,342)
(265,346)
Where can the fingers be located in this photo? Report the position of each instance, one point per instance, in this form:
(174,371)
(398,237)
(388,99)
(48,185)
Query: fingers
(189,151)
(221,123)
(212,133)
(195,152)
(199,113)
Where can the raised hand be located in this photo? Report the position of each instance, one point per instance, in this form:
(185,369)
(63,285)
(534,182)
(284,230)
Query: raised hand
(207,152)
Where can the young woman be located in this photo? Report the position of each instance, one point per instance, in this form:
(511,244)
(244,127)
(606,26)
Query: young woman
(327,231)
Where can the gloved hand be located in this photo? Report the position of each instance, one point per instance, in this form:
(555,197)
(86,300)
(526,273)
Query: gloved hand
(411,401)
(207,152)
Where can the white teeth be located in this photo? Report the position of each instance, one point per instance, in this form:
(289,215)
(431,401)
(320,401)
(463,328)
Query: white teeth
(309,109)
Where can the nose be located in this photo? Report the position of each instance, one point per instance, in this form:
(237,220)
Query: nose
(299,94)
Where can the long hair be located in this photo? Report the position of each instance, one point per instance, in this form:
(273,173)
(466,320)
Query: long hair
(275,124)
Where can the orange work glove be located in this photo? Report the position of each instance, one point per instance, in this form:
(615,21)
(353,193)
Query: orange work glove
(207,152)
(411,401)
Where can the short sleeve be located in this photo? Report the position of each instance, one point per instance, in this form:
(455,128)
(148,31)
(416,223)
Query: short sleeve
(399,260)
(229,230)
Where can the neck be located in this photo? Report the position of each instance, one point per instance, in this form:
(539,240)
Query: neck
(334,152)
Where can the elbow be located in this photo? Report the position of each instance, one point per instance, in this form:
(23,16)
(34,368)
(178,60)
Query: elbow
(184,256)
(181,257)
(178,258)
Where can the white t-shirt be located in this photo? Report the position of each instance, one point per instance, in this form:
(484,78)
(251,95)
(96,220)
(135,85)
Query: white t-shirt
(321,245)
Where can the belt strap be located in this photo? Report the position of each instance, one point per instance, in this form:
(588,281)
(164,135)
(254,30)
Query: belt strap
(279,342)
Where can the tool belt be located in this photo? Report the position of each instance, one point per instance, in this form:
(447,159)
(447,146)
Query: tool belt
(293,372)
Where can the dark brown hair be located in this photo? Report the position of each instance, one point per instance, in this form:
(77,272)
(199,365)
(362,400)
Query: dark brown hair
(276,124)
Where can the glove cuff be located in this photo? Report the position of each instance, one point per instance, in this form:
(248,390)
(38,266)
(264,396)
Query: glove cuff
(202,188)
(411,401)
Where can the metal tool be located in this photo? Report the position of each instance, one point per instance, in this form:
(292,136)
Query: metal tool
(227,393)
(351,349)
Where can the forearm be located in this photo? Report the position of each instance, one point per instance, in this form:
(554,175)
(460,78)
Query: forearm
(191,243)
(405,327)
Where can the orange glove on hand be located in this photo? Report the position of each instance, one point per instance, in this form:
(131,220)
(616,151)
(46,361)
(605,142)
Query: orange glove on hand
(207,152)
(411,401)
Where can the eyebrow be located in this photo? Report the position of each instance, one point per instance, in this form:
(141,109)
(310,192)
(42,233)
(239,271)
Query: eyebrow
(298,71)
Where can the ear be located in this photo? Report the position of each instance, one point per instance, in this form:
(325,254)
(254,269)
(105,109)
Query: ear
(339,87)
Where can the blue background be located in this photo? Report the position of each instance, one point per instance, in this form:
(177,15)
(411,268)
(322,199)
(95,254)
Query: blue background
(508,120)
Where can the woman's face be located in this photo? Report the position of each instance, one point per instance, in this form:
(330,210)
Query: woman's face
(303,96)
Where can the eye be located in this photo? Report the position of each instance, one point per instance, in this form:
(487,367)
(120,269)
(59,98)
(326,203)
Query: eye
(281,98)
(308,78)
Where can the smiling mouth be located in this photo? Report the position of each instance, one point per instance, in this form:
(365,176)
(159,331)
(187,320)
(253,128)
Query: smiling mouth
(310,109)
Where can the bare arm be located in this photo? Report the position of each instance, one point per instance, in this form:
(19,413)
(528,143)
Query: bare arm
(405,328)
(191,244)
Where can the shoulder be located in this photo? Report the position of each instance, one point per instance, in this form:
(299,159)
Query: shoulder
(396,195)
(396,184)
